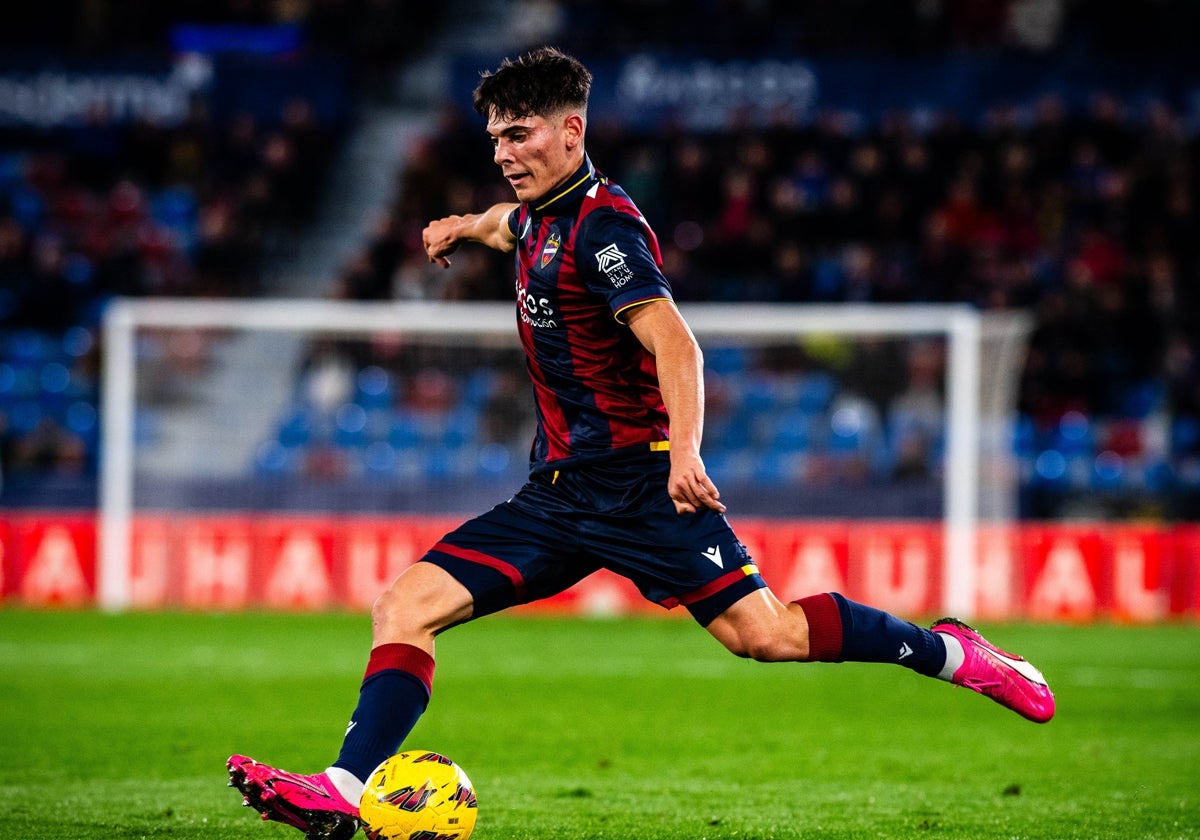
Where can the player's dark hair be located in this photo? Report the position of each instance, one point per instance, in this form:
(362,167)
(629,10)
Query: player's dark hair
(542,82)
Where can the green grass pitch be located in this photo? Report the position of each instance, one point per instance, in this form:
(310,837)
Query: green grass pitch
(118,727)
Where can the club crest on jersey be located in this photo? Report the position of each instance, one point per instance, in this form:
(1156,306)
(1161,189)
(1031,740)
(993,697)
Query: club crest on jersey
(611,260)
(550,249)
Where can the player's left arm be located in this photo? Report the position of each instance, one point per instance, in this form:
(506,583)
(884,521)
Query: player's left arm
(663,331)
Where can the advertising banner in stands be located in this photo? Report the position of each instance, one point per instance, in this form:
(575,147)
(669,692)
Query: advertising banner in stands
(1060,572)
(47,94)
(647,90)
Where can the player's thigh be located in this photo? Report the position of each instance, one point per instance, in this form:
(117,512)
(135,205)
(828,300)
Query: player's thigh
(694,560)
(759,626)
(517,552)
(421,602)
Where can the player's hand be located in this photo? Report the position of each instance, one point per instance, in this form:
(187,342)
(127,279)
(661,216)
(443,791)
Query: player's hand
(690,487)
(440,239)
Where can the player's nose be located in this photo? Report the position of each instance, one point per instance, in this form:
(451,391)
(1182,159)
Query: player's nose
(502,152)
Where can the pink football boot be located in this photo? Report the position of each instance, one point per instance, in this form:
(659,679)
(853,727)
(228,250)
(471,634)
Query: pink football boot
(309,803)
(1004,677)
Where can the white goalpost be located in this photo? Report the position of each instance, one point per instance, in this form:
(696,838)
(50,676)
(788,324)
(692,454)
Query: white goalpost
(212,426)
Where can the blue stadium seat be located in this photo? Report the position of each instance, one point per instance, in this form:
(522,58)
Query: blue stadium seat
(28,346)
(795,431)
(374,388)
(727,361)
(24,416)
(26,206)
(77,342)
(1142,399)
(460,428)
(271,458)
(380,459)
(12,170)
(1025,435)
(817,391)
(296,428)
(405,432)
(1050,470)
(1185,434)
(1108,472)
(477,388)
(494,459)
(760,393)
(8,381)
(82,418)
(350,426)
(1074,435)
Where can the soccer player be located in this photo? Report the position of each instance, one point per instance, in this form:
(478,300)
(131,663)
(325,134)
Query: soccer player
(616,479)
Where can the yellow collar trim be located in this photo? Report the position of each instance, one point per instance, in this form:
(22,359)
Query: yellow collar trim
(548,202)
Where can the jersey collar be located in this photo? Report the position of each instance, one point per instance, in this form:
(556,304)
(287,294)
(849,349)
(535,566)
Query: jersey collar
(574,188)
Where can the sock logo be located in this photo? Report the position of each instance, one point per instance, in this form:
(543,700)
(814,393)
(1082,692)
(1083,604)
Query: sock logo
(350,726)
(905,650)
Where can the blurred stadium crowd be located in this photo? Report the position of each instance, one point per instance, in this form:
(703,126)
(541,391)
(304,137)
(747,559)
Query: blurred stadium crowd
(1085,217)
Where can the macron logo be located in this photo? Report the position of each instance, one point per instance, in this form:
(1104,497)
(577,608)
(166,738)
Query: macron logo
(905,650)
(714,554)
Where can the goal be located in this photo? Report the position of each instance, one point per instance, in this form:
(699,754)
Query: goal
(324,408)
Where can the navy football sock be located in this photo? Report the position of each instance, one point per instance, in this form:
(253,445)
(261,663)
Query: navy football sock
(841,630)
(395,691)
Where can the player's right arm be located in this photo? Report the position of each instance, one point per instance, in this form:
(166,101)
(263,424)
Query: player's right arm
(491,227)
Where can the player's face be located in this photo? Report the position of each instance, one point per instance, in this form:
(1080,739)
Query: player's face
(534,153)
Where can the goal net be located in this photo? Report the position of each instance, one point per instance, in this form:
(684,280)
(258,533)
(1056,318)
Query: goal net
(321,408)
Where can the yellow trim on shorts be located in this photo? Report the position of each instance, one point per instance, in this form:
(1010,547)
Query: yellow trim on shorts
(660,445)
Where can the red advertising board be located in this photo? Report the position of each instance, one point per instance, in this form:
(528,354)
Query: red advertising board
(1052,572)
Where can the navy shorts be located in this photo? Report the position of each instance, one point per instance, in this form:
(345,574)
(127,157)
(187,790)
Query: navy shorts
(559,528)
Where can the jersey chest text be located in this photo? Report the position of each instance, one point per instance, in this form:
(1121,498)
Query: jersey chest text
(546,281)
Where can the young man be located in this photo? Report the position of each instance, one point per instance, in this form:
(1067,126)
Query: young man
(616,479)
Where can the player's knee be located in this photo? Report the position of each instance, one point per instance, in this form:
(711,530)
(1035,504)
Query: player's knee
(418,606)
(388,613)
(385,606)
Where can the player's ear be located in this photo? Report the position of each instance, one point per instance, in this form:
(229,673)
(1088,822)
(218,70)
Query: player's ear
(572,130)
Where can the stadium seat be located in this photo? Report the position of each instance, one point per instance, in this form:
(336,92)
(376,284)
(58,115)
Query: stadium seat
(795,431)
(374,388)
(296,428)
(1108,472)
(380,460)
(271,458)
(817,391)
(1185,434)
(350,426)
(1074,435)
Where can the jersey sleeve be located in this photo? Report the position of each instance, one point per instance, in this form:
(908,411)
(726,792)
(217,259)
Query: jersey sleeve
(617,256)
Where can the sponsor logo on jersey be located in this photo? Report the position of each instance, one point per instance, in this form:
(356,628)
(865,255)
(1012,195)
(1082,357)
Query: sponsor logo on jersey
(535,311)
(611,260)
